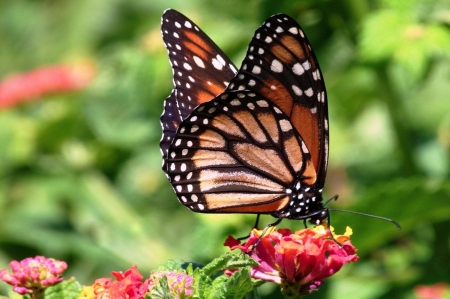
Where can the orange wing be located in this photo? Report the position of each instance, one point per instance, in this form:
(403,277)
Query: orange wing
(200,69)
(238,153)
(281,66)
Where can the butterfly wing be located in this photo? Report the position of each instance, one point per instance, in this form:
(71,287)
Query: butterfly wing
(237,153)
(200,69)
(281,66)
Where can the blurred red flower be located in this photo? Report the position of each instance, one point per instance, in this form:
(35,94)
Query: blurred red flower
(31,85)
(439,290)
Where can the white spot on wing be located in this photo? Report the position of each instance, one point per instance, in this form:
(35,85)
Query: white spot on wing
(220,59)
(297,90)
(285,125)
(276,66)
(306,65)
(298,69)
(217,64)
(293,30)
(187,66)
(309,92)
(256,70)
(262,103)
(198,61)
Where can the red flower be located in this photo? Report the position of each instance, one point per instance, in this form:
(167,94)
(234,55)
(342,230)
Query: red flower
(298,261)
(33,275)
(439,290)
(129,285)
(27,86)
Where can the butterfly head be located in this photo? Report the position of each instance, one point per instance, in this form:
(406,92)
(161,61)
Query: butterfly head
(305,203)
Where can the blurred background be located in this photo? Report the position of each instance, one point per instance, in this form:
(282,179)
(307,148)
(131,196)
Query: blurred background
(81,91)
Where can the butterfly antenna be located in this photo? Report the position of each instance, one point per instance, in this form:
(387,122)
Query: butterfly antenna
(335,197)
(370,215)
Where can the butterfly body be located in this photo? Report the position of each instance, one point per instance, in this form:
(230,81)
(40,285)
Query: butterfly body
(261,145)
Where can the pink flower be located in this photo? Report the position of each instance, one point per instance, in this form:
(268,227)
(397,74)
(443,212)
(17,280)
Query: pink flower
(27,86)
(128,285)
(299,261)
(33,275)
(180,284)
(439,290)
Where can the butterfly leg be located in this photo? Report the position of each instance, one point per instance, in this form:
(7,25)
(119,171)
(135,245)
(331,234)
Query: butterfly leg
(329,226)
(264,232)
(254,226)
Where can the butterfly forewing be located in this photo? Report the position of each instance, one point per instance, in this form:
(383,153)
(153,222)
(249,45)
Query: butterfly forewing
(200,69)
(237,153)
(281,66)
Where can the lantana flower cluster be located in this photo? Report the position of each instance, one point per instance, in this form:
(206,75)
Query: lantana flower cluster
(33,275)
(298,261)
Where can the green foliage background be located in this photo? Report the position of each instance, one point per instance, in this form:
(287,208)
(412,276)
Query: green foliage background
(80,176)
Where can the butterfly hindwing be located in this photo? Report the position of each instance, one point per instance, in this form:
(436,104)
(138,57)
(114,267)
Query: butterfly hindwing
(281,66)
(237,153)
(200,70)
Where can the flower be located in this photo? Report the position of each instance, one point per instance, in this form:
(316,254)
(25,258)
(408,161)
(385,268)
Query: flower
(180,284)
(36,83)
(33,275)
(87,293)
(128,285)
(437,291)
(299,261)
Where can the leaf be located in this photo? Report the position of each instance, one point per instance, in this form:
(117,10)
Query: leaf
(229,260)
(172,265)
(202,284)
(67,289)
(233,287)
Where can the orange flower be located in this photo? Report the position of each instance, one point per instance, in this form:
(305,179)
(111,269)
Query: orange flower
(298,261)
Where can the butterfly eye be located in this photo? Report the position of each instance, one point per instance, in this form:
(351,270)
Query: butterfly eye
(258,145)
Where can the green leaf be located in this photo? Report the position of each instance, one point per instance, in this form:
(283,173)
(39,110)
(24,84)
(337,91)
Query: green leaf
(233,287)
(172,265)
(67,289)
(229,260)
(202,284)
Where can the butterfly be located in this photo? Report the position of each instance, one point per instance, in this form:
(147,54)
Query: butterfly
(261,145)
(200,70)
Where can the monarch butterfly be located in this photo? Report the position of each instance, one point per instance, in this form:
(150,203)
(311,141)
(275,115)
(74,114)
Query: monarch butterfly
(260,145)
